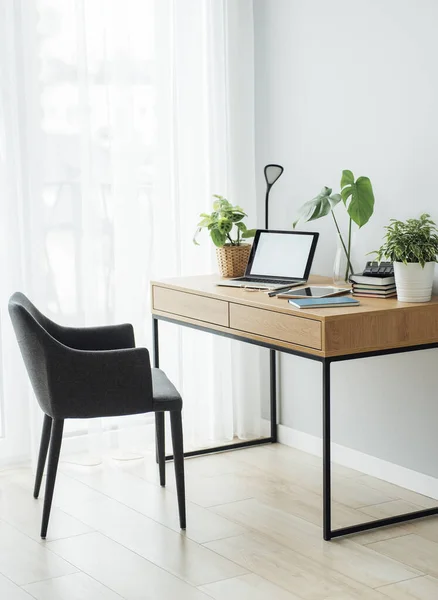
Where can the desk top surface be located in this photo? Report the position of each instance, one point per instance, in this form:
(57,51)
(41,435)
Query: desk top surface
(205,285)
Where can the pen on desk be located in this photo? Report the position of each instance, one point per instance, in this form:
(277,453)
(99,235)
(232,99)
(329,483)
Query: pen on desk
(279,290)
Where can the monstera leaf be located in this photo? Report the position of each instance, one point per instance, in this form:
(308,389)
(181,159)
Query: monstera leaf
(319,207)
(358,197)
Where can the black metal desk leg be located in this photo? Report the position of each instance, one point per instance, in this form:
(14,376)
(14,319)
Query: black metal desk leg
(273,395)
(156,352)
(326,451)
(160,433)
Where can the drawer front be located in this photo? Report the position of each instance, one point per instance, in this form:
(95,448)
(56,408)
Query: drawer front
(279,326)
(192,306)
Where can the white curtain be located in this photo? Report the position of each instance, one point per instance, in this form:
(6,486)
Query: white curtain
(118,121)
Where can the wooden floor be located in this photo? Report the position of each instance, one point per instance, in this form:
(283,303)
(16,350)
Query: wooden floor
(253,534)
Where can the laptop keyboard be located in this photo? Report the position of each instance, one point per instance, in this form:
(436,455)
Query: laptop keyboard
(254,280)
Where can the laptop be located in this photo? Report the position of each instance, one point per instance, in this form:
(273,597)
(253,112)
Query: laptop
(278,259)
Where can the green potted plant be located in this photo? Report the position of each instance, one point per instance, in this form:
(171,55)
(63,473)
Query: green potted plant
(228,232)
(358,199)
(412,246)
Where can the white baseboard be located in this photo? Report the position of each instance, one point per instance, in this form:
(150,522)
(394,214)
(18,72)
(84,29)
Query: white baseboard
(365,463)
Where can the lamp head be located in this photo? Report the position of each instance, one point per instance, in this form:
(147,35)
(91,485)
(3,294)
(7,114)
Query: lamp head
(272,173)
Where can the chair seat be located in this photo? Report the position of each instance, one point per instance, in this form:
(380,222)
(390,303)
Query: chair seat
(166,396)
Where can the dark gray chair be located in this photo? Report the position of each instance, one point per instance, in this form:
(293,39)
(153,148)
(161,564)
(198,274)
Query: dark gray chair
(81,373)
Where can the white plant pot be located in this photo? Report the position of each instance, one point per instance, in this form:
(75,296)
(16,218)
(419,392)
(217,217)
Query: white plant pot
(414,283)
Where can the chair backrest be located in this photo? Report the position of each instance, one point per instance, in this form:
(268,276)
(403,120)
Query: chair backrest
(32,330)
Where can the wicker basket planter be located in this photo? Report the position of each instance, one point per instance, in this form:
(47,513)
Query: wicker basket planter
(232,260)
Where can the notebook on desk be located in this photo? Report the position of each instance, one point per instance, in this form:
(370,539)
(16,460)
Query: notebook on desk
(330,302)
(278,260)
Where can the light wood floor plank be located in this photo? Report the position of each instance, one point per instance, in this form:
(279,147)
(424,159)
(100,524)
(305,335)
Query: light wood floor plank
(412,550)
(422,588)
(248,587)
(292,571)
(310,459)
(427,528)
(120,483)
(307,505)
(19,508)
(289,473)
(390,509)
(169,550)
(354,493)
(11,591)
(283,460)
(25,561)
(353,560)
(252,587)
(121,570)
(398,492)
(71,587)
(196,468)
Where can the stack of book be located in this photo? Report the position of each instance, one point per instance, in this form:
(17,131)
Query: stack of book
(367,286)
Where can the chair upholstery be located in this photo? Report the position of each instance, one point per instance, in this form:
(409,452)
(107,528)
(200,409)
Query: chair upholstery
(92,372)
(165,395)
(80,373)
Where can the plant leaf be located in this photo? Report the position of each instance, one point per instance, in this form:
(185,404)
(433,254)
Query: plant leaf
(334,199)
(316,208)
(218,238)
(206,221)
(235,216)
(361,205)
(347,178)
(195,236)
(221,221)
(224,225)
(346,193)
(249,233)
(414,241)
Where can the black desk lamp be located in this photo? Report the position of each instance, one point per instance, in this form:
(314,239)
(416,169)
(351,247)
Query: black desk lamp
(272,173)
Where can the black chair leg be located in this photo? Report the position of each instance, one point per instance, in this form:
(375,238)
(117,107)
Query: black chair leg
(178,454)
(160,446)
(44,446)
(52,467)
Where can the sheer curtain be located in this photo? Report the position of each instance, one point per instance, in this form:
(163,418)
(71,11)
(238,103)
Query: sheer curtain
(118,121)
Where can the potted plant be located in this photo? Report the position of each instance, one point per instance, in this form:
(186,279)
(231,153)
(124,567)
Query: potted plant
(413,247)
(228,232)
(357,197)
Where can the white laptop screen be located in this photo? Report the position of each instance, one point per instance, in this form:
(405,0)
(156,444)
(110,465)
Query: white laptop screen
(282,254)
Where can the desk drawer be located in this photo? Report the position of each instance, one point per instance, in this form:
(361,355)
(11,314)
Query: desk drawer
(190,305)
(279,326)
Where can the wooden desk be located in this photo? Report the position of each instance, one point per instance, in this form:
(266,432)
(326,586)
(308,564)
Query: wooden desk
(375,327)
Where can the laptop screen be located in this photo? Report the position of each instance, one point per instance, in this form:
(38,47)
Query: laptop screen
(286,254)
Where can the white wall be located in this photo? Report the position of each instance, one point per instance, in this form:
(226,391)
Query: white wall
(353,84)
